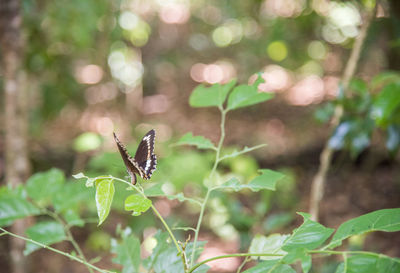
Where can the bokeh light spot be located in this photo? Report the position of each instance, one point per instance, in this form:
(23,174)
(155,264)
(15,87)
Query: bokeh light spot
(213,73)
(316,50)
(128,20)
(175,13)
(89,74)
(277,51)
(222,36)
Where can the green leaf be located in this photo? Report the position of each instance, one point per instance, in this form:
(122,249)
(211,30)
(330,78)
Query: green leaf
(13,206)
(214,95)
(165,259)
(306,263)
(277,221)
(128,253)
(266,181)
(137,203)
(309,235)
(46,232)
(42,186)
(155,190)
(162,245)
(381,220)
(270,267)
(71,195)
(199,141)
(268,245)
(104,195)
(73,218)
(370,264)
(246,95)
(386,103)
(299,254)
(384,78)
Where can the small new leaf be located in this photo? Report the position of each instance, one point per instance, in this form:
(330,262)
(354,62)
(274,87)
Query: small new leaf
(89,181)
(266,181)
(198,141)
(214,95)
(137,203)
(246,95)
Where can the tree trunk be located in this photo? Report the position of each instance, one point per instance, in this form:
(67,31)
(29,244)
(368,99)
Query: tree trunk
(15,116)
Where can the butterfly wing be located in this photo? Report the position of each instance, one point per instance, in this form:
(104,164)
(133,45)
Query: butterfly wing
(145,156)
(131,166)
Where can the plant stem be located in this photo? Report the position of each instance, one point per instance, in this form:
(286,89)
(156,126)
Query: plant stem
(55,250)
(214,168)
(196,233)
(242,265)
(233,255)
(140,190)
(318,183)
(334,252)
(69,235)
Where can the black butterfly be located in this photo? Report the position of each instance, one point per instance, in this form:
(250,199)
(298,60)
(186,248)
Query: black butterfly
(145,160)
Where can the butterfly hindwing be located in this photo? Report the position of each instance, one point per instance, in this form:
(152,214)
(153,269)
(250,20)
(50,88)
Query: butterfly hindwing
(145,160)
(145,156)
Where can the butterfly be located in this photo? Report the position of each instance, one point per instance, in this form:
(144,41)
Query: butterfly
(145,161)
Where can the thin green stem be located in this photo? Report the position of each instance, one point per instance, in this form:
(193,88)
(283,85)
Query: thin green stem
(246,259)
(345,262)
(70,238)
(233,255)
(196,232)
(214,168)
(245,150)
(55,250)
(166,227)
(334,252)
(139,189)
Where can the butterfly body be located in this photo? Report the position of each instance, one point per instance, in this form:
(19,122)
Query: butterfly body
(145,161)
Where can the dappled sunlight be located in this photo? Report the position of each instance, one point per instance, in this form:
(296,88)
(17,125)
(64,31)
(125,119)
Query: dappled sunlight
(283,8)
(126,66)
(223,265)
(219,72)
(174,13)
(230,32)
(104,126)
(277,79)
(342,23)
(89,74)
(101,93)
(156,104)
(307,91)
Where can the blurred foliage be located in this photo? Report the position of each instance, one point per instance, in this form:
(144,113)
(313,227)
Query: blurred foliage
(367,107)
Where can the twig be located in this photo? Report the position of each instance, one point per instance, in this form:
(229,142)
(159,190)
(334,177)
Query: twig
(318,183)
(217,159)
(54,250)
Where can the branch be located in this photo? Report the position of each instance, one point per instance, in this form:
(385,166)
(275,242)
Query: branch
(54,250)
(318,183)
